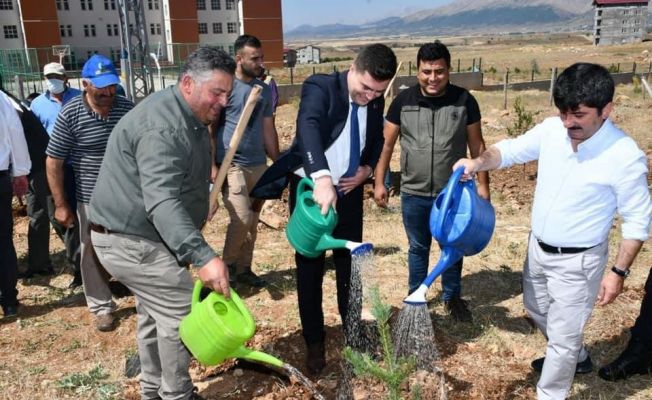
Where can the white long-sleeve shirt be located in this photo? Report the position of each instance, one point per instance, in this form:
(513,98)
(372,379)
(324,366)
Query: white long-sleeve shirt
(578,193)
(13,146)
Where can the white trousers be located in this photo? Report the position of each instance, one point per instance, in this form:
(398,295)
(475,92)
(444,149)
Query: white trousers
(559,292)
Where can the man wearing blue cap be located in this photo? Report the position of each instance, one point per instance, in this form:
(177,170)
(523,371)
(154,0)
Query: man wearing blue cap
(80,134)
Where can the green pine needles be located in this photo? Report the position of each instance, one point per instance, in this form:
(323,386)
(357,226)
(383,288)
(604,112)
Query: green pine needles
(392,371)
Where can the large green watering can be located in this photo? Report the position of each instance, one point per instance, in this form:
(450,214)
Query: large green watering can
(310,233)
(217,329)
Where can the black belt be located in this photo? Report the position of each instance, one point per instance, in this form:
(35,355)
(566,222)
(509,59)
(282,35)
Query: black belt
(561,250)
(98,228)
(4,173)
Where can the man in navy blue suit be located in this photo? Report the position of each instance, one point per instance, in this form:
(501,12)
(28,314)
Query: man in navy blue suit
(338,142)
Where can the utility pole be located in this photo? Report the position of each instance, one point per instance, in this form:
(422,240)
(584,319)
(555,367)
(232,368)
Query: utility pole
(134,57)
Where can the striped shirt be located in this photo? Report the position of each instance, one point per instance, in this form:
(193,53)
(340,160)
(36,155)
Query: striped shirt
(80,135)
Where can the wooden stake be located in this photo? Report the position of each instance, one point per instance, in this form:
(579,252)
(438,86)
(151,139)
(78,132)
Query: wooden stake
(233,146)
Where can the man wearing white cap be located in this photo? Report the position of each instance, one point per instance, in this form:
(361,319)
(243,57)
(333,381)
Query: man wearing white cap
(40,207)
(80,134)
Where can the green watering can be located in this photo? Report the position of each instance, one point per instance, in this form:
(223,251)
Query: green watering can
(217,329)
(310,233)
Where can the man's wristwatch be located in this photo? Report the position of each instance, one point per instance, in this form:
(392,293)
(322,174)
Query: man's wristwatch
(620,272)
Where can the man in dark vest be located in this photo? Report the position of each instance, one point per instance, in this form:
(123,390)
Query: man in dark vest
(428,151)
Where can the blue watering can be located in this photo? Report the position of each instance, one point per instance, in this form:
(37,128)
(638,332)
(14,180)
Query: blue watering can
(462,223)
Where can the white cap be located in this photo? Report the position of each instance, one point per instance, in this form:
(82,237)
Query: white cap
(54,68)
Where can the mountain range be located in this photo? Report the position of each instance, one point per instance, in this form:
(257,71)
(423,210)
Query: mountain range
(467,16)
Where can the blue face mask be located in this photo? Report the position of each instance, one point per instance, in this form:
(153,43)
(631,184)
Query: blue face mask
(55,86)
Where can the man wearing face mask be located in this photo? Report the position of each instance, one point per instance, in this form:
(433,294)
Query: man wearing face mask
(40,206)
(81,133)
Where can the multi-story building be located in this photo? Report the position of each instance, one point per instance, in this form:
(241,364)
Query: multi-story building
(308,55)
(619,21)
(173,27)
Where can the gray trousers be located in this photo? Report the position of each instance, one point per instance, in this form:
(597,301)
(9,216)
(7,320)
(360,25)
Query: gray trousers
(163,291)
(559,292)
(94,276)
(40,209)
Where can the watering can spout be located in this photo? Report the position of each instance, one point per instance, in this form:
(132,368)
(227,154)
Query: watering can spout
(418,296)
(359,249)
(256,356)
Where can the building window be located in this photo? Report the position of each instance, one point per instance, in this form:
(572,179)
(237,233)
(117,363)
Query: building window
(230,4)
(112,30)
(89,30)
(11,31)
(201,4)
(62,5)
(624,30)
(232,50)
(87,5)
(152,4)
(90,53)
(65,30)
(231,27)
(115,55)
(6,4)
(109,4)
(216,4)
(203,28)
(155,29)
(217,27)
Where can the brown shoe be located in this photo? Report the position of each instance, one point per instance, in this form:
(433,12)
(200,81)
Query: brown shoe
(105,322)
(316,360)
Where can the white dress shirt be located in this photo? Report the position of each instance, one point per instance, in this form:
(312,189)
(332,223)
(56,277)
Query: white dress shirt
(578,193)
(339,153)
(13,146)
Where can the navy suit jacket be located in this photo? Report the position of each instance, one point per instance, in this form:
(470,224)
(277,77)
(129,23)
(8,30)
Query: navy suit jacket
(323,111)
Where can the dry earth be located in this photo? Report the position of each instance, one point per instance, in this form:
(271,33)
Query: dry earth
(52,351)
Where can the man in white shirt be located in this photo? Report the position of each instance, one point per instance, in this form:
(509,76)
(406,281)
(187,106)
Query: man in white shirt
(14,168)
(588,170)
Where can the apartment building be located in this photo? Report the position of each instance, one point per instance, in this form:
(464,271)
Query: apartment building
(173,27)
(619,21)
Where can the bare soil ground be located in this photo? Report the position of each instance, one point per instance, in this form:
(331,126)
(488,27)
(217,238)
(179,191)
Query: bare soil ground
(52,350)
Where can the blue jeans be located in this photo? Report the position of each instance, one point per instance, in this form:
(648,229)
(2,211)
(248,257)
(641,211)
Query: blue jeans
(416,220)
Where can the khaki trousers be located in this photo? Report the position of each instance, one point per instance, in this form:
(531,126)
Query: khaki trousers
(94,277)
(243,214)
(163,291)
(559,292)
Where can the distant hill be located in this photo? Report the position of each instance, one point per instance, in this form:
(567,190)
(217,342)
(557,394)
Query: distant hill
(468,16)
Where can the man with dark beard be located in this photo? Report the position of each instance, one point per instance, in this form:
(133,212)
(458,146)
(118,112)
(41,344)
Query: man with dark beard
(80,135)
(259,141)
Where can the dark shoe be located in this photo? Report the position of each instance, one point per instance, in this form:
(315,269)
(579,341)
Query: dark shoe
(76,280)
(251,279)
(457,308)
(195,396)
(105,322)
(635,359)
(583,367)
(316,360)
(10,311)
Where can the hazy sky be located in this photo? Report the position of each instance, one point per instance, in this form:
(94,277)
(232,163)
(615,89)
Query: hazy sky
(320,12)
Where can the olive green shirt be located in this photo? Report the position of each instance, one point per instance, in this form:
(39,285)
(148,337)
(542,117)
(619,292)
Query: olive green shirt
(155,176)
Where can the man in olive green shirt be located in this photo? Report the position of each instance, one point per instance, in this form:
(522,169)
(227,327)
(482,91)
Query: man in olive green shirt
(149,204)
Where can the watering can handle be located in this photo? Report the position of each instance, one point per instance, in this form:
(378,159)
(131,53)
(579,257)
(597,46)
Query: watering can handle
(301,188)
(453,181)
(196,291)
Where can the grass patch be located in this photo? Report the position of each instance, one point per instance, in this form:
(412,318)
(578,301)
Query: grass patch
(92,381)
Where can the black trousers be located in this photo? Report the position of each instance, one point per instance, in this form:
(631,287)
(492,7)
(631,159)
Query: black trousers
(8,262)
(642,328)
(40,209)
(310,271)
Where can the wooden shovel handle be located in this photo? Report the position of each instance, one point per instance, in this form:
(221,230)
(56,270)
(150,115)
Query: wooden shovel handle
(233,145)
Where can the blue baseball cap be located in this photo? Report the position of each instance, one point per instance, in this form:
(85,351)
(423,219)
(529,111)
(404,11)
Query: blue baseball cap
(100,71)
